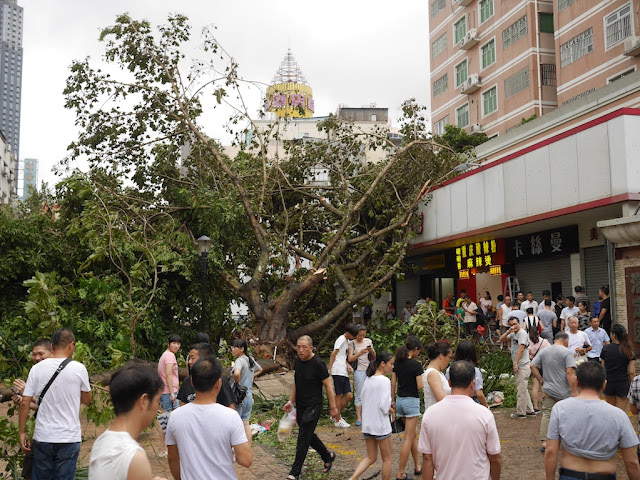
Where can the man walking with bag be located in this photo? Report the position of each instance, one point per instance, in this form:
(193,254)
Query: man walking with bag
(60,385)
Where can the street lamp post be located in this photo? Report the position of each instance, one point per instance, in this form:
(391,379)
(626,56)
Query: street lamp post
(204,244)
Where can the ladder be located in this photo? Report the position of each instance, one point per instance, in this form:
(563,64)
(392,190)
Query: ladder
(511,287)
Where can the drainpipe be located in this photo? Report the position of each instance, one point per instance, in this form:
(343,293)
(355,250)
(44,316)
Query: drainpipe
(538,66)
(611,270)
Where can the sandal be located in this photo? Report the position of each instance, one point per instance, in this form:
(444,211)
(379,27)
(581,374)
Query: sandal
(417,472)
(329,464)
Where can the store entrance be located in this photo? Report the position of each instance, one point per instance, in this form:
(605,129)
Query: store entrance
(436,288)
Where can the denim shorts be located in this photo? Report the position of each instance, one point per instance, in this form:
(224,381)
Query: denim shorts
(375,437)
(407,407)
(165,401)
(244,409)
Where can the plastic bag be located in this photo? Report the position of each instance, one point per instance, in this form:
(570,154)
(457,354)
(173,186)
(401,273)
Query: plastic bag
(495,398)
(285,427)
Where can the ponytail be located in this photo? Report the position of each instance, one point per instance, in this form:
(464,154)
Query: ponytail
(410,344)
(241,343)
(437,348)
(626,347)
(375,363)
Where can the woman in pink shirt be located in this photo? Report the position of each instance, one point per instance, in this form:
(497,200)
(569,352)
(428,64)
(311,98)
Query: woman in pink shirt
(168,371)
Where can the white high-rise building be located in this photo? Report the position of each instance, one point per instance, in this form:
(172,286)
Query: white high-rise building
(11,16)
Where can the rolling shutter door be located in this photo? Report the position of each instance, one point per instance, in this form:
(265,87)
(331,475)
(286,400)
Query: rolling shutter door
(595,270)
(408,289)
(538,275)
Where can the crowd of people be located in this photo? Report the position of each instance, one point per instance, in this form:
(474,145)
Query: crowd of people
(205,420)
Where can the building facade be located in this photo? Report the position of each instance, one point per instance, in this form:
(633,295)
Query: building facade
(495,63)
(11,19)
(8,172)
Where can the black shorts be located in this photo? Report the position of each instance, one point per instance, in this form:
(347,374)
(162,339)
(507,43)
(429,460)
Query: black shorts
(342,385)
(617,389)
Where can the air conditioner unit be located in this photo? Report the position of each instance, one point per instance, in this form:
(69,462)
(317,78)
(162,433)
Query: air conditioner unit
(475,128)
(469,40)
(632,46)
(472,84)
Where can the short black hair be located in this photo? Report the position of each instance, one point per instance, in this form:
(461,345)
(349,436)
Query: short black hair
(43,342)
(201,337)
(62,337)
(559,297)
(351,329)
(204,349)
(605,289)
(129,383)
(572,298)
(547,302)
(513,318)
(591,375)
(462,292)
(578,289)
(546,293)
(461,374)
(174,338)
(205,373)
(501,298)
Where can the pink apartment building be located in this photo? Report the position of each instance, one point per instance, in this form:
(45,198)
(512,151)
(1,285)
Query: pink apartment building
(497,62)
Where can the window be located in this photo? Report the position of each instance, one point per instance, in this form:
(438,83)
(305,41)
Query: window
(546,23)
(462,116)
(576,48)
(488,54)
(618,26)
(438,127)
(490,101)
(486,10)
(374,117)
(548,74)
(437,6)
(623,74)
(516,82)
(461,73)
(441,85)
(439,45)
(460,29)
(562,4)
(514,32)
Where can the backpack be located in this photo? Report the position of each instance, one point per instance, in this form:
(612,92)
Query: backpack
(537,323)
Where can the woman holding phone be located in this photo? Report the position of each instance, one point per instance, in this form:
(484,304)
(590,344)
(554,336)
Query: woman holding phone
(360,351)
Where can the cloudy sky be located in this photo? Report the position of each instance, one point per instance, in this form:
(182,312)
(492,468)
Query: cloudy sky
(352,52)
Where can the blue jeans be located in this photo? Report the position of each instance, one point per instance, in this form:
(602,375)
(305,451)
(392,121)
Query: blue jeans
(54,461)
(165,402)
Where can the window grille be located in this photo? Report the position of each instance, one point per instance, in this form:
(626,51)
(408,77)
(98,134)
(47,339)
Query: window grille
(576,48)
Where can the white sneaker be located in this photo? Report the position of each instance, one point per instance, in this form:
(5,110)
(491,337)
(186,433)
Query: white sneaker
(342,423)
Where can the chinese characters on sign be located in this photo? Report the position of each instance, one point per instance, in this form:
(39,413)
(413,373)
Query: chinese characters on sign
(632,281)
(495,270)
(463,274)
(561,241)
(294,100)
(476,254)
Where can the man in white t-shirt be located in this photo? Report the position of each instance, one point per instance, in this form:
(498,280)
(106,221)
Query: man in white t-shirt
(57,435)
(473,454)
(203,436)
(579,342)
(470,311)
(568,311)
(529,303)
(339,370)
(116,455)
(504,313)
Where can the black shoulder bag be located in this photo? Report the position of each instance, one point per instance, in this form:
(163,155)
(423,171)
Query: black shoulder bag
(64,363)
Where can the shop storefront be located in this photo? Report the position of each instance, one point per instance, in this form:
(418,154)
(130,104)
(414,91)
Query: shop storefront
(482,267)
(542,260)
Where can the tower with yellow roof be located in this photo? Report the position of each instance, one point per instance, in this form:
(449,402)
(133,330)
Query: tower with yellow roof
(289,95)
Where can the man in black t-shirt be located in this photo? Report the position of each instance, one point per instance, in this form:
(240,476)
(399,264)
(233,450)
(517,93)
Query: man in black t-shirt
(605,309)
(310,375)
(187,393)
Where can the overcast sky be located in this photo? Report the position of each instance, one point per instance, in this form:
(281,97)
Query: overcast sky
(352,52)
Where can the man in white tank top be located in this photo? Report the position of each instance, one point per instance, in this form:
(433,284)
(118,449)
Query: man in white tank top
(116,455)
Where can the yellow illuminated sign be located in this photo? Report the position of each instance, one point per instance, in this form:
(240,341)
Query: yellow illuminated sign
(495,270)
(476,254)
(463,274)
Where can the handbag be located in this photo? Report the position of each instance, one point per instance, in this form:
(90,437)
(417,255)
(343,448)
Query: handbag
(354,364)
(239,391)
(64,363)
